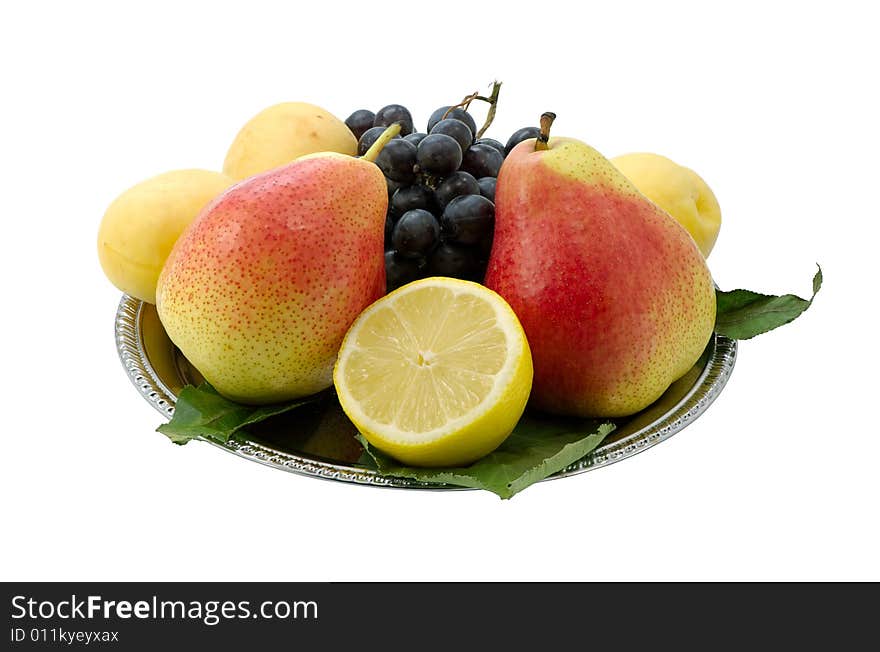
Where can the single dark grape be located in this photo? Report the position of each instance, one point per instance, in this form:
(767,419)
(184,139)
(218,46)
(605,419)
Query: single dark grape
(400,270)
(360,121)
(480,274)
(415,234)
(487,188)
(456,184)
(415,138)
(482,161)
(393,187)
(397,160)
(456,114)
(389,227)
(520,135)
(452,260)
(412,197)
(468,219)
(491,142)
(369,137)
(457,129)
(392,113)
(484,248)
(438,154)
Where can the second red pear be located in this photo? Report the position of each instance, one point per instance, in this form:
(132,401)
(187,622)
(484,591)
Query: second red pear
(615,297)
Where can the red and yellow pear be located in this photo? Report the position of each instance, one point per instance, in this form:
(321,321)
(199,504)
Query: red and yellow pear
(615,297)
(259,291)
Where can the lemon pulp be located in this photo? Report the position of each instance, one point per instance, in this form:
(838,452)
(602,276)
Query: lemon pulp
(437,373)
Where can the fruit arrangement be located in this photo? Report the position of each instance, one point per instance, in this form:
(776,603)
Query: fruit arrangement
(477,309)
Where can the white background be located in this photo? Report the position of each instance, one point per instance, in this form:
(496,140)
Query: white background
(774,104)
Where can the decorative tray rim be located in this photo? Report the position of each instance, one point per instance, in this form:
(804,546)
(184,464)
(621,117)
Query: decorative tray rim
(706,388)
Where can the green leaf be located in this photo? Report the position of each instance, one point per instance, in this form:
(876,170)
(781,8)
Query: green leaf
(538,447)
(742,314)
(202,412)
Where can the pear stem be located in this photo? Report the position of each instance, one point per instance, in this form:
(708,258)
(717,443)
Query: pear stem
(390,132)
(546,122)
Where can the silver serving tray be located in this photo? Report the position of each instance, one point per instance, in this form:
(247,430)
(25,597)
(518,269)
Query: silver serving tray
(320,442)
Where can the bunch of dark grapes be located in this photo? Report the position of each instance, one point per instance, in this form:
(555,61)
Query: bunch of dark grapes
(441,191)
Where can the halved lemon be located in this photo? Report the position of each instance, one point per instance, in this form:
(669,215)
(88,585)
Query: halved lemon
(437,373)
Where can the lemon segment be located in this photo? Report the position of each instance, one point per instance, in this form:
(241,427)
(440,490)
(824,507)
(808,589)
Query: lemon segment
(437,373)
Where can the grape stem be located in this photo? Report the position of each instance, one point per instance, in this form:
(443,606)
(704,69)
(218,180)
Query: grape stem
(464,104)
(390,132)
(546,122)
(493,104)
